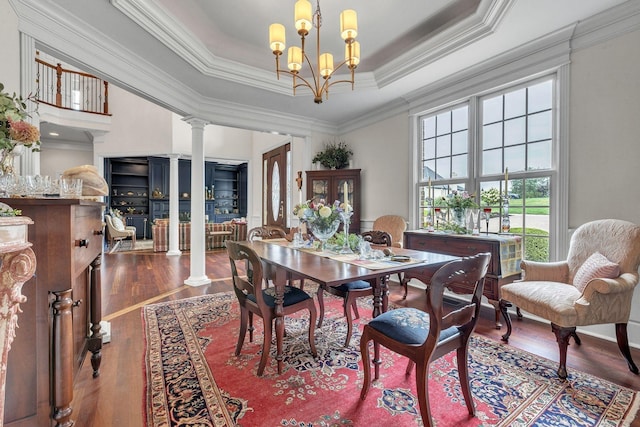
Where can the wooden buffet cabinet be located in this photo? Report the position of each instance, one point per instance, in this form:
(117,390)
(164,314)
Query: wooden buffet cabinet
(61,317)
(505,250)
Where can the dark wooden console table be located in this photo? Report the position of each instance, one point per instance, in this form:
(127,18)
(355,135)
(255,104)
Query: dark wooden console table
(506,253)
(61,317)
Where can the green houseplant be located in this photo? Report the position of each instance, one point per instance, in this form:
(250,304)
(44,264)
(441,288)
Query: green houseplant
(335,155)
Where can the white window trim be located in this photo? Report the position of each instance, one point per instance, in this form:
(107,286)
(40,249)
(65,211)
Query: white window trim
(558,221)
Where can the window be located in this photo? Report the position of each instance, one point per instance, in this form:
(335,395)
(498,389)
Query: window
(473,145)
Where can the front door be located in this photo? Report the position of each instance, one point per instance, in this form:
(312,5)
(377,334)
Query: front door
(274,184)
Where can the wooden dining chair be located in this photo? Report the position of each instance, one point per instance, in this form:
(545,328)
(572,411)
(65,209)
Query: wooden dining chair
(267,232)
(424,336)
(351,291)
(256,297)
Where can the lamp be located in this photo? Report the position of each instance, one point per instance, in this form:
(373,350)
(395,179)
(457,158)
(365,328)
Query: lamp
(304,19)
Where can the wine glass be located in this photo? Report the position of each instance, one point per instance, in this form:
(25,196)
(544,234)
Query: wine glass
(486,214)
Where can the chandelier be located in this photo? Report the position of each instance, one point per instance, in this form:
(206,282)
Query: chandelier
(318,82)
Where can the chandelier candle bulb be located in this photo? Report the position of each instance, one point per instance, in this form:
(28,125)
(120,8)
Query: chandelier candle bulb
(295,59)
(326,65)
(348,24)
(352,54)
(302,15)
(277,38)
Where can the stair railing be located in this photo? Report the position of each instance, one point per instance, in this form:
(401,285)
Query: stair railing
(71,90)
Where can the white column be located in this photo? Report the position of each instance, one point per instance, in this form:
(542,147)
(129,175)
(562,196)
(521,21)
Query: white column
(174,207)
(198,275)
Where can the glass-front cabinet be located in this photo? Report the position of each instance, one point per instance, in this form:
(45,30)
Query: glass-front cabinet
(340,184)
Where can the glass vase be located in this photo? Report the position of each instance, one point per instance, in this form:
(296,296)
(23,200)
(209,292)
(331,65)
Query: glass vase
(459,219)
(323,229)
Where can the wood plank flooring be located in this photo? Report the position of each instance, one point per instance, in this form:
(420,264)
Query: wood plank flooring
(131,280)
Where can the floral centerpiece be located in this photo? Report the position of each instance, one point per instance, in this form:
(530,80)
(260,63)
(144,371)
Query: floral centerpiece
(323,219)
(15,132)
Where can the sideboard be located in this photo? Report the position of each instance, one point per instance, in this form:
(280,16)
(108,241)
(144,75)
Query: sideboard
(60,321)
(506,254)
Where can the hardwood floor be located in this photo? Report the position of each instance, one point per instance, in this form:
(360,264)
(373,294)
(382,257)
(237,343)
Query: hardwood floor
(131,280)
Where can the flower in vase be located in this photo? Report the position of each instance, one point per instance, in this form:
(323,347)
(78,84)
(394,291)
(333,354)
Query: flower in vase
(457,200)
(318,212)
(14,130)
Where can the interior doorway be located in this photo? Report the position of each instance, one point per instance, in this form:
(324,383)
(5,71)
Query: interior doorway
(275,171)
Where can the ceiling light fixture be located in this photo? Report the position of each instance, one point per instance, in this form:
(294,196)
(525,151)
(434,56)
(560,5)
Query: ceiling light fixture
(304,20)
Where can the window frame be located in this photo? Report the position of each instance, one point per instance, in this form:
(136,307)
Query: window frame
(557,174)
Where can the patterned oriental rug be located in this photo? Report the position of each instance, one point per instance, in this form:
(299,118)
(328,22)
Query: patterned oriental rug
(194,379)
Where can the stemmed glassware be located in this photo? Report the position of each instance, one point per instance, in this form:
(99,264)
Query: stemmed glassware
(346,221)
(486,214)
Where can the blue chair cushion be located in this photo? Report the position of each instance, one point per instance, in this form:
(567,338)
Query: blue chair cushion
(351,286)
(408,326)
(292,295)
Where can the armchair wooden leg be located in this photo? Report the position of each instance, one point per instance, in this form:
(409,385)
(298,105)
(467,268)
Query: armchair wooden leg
(504,305)
(562,337)
(623,345)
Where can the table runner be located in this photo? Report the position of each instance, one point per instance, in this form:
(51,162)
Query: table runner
(371,264)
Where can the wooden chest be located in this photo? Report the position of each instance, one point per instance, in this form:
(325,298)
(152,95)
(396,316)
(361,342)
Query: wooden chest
(505,255)
(60,320)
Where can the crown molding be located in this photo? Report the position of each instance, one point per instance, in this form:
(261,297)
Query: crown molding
(607,25)
(479,25)
(540,56)
(154,19)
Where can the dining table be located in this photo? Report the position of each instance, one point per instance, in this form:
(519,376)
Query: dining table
(327,268)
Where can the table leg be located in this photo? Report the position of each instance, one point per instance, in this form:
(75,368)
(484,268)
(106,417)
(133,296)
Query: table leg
(380,295)
(279,280)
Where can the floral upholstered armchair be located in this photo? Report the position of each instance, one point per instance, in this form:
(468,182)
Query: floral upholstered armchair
(593,286)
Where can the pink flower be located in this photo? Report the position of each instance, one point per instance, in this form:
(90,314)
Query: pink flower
(23,132)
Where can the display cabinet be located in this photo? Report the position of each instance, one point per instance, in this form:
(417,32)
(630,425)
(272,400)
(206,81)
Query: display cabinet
(330,185)
(128,180)
(225,190)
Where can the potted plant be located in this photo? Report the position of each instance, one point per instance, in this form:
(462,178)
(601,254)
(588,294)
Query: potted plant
(335,155)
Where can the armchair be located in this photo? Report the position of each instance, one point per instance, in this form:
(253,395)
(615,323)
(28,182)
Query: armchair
(395,225)
(118,231)
(593,286)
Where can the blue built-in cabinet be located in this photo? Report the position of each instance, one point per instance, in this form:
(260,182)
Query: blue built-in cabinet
(225,190)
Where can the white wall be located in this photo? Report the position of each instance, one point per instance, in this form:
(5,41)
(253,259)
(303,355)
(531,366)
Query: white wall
(605,131)
(140,128)
(604,147)
(382,152)
(54,161)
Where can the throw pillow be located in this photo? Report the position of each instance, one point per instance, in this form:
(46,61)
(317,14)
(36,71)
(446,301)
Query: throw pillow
(117,223)
(597,266)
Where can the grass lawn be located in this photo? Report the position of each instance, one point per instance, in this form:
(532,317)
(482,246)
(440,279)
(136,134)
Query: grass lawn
(535,206)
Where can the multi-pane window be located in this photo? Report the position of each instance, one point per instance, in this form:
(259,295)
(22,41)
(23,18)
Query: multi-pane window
(514,134)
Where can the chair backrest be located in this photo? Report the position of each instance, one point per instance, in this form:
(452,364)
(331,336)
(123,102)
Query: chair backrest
(395,225)
(617,240)
(458,276)
(266,232)
(377,237)
(246,285)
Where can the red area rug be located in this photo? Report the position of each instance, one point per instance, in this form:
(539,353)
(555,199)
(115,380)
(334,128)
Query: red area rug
(194,379)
